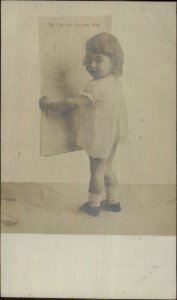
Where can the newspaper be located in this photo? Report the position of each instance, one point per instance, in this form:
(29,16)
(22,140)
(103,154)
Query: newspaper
(63,75)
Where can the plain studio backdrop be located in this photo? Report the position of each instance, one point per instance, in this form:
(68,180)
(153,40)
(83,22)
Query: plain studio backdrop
(147,35)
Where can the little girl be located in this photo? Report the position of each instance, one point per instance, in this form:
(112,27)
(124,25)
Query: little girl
(102,119)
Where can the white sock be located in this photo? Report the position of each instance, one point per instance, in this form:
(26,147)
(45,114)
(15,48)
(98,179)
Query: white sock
(112,194)
(95,199)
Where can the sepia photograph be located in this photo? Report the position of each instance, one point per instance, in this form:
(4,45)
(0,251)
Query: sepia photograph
(88,134)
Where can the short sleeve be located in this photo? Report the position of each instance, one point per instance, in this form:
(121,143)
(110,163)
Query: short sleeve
(93,90)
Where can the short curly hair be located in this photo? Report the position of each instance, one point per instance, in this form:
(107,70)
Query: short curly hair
(107,44)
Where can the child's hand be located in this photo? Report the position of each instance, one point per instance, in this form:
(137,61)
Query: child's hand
(44,103)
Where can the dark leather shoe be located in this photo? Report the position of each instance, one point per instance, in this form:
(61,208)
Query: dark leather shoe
(92,211)
(113,207)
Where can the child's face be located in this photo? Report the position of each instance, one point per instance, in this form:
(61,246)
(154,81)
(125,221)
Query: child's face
(98,65)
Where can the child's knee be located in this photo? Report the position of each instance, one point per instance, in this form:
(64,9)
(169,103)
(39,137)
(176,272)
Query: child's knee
(96,183)
(98,178)
(98,171)
(98,167)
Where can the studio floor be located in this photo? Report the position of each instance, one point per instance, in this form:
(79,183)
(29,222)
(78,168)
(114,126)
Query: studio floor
(52,208)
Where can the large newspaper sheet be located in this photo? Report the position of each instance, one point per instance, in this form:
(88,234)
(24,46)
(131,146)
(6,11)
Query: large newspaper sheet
(63,75)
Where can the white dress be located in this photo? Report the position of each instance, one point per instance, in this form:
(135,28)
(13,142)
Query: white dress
(103,123)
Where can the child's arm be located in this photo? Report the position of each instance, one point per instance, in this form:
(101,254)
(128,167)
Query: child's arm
(65,105)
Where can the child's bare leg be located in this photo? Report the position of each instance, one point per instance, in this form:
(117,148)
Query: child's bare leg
(110,180)
(110,177)
(96,186)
